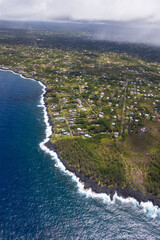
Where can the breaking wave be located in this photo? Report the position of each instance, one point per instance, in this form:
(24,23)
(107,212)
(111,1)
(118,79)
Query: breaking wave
(147,207)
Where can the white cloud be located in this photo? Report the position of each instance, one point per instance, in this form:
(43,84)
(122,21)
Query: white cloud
(119,10)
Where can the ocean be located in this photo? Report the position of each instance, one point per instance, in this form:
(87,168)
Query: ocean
(39,199)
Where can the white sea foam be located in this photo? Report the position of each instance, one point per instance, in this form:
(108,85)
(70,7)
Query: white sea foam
(147,207)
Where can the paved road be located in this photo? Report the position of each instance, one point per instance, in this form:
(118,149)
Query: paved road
(67,123)
(124,108)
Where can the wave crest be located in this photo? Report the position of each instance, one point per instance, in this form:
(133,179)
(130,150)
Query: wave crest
(148,208)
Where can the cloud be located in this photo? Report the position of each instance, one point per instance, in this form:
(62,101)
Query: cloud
(98,10)
(134,32)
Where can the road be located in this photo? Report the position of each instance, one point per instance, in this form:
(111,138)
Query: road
(124,107)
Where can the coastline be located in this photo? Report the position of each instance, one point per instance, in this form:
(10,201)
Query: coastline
(87,184)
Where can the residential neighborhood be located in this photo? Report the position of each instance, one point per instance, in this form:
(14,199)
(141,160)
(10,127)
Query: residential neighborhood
(106,94)
(103,103)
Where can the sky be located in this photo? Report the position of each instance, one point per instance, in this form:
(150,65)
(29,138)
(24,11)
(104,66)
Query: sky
(91,10)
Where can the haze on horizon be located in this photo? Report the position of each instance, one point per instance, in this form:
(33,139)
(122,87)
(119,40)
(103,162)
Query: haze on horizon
(129,20)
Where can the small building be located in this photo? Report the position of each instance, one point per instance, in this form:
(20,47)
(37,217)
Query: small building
(87,136)
(142,130)
(116,134)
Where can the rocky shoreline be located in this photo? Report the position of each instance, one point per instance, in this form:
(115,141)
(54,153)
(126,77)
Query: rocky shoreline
(91,183)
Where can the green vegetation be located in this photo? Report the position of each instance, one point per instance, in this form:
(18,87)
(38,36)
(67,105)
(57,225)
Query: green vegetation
(98,158)
(104,105)
(153,176)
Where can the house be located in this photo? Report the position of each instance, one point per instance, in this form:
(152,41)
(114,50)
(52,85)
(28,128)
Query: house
(143,130)
(116,134)
(56,113)
(87,136)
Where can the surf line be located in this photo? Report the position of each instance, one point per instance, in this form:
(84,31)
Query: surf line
(147,207)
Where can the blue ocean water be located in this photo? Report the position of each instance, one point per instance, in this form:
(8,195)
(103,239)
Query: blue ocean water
(37,199)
